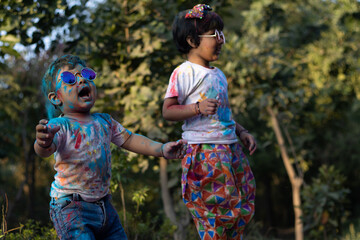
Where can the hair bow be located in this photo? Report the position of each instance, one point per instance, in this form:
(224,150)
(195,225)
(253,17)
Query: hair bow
(198,11)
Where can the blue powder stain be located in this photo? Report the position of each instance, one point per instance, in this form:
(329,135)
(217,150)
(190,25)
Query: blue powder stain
(227,124)
(211,93)
(227,132)
(88,132)
(92,166)
(103,157)
(224,114)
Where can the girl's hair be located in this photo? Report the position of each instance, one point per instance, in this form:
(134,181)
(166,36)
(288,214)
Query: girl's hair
(183,27)
(49,80)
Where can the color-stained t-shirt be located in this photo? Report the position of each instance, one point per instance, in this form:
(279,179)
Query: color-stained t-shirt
(83,155)
(218,128)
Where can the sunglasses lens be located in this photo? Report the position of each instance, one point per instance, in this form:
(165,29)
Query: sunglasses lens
(68,77)
(88,73)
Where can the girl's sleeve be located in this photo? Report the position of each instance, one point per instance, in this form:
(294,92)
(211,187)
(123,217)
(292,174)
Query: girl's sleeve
(179,83)
(119,133)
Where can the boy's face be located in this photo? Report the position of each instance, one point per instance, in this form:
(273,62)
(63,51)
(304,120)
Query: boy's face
(76,99)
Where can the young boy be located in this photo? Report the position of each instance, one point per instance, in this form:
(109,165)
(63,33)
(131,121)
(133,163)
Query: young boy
(80,206)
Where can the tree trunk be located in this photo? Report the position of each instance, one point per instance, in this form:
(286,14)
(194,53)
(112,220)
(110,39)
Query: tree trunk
(180,233)
(295,181)
(127,31)
(123,205)
(29,167)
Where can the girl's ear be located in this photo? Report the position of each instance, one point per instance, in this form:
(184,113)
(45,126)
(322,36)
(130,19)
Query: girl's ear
(191,41)
(54,99)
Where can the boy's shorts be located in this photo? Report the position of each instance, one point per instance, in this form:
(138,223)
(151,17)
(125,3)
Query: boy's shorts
(74,218)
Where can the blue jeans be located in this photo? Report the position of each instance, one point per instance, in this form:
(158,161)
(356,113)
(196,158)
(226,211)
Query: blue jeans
(74,218)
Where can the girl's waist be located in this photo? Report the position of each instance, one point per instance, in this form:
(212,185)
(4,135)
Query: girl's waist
(204,147)
(218,137)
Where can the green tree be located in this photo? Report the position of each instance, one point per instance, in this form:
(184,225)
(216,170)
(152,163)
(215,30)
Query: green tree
(289,62)
(18,117)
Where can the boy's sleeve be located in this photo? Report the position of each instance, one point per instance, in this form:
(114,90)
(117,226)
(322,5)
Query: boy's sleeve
(119,133)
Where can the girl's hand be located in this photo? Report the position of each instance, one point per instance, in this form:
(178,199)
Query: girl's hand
(249,141)
(208,106)
(45,133)
(174,150)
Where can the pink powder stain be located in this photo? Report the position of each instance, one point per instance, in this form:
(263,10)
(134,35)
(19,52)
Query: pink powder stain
(58,93)
(173,79)
(68,217)
(78,139)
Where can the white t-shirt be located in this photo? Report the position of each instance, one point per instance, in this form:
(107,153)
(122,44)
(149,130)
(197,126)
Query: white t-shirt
(83,155)
(218,128)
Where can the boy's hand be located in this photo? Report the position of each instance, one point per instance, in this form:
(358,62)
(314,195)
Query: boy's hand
(174,150)
(249,141)
(208,106)
(45,133)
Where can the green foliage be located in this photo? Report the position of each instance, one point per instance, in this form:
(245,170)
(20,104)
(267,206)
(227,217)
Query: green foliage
(35,231)
(324,204)
(352,233)
(298,57)
(4,209)
(120,166)
(28,22)
(139,197)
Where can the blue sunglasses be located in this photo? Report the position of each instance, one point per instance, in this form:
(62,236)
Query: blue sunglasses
(70,78)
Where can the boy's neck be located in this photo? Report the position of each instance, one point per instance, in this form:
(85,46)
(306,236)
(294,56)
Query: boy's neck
(83,117)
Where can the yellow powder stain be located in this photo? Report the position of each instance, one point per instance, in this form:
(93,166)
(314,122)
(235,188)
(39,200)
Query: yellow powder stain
(202,96)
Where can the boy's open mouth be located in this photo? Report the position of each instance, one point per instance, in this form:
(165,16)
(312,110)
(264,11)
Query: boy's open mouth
(84,92)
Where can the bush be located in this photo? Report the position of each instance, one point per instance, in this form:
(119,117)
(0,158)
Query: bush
(323,204)
(34,231)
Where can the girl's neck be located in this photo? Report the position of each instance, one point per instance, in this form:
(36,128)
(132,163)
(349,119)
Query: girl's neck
(194,59)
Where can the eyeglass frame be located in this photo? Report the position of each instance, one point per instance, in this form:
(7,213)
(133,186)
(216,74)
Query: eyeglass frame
(218,35)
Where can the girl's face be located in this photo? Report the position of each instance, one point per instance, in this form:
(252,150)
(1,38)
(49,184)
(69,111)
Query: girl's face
(208,50)
(76,99)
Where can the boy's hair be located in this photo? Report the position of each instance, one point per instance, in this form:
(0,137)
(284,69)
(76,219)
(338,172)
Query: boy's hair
(183,27)
(49,80)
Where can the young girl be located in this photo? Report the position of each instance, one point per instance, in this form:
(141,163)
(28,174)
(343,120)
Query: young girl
(80,206)
(218,186)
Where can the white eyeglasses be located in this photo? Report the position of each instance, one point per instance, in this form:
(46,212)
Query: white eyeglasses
(218,35)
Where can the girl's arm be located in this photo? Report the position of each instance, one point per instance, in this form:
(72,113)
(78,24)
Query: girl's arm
(140,144)
(246,138)
(173,111)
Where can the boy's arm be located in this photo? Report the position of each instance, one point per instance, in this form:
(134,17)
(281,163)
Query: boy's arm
(246,138)
(44,146)
(140,144)
(173,111)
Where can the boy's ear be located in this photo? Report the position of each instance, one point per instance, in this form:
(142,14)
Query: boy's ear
(54,99)
(191,41)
